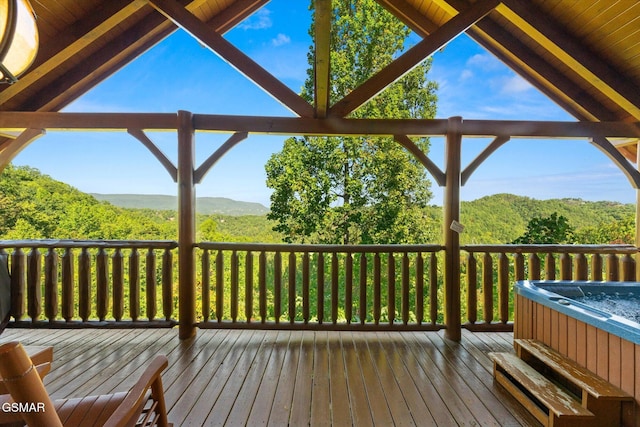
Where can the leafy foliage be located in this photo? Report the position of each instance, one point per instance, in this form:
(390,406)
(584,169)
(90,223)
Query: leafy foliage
(357,189)
(551,229)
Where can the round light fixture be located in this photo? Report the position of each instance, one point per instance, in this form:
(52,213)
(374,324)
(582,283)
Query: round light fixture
(18,39)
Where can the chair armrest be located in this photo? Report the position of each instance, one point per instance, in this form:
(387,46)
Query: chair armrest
(134,403)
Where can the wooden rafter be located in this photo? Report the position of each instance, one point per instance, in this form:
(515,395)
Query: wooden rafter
(206,35)
(62,49)
(111,57)
(322,55)
(574,54)
(411,58)
(410,16)
(532,67)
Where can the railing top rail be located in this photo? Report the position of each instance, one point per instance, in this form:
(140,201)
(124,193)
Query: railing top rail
(54,243)
(285,247)
(540,248)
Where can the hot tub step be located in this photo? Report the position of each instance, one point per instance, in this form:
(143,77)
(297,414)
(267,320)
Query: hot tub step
(611,405)
(546,401)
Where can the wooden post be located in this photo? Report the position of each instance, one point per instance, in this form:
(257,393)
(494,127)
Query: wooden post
(451,207)
(186,225)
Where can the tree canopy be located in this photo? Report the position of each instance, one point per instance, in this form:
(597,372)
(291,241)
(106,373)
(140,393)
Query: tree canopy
(357,190)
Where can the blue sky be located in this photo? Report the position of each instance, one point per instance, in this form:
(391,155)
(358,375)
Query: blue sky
(180,74)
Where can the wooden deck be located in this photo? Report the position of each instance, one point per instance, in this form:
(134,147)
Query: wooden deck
(232,377)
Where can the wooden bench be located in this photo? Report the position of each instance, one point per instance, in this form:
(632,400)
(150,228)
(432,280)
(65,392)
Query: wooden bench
(546,401)
(601,397)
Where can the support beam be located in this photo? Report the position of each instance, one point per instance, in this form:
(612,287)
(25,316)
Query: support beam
(186,226)
(322,57)
(234,56)
(158,154)
(433,169)
(217,155)
(618,159)
(411,58)
(493,146)
(10,149)
(19,121)
(451,208)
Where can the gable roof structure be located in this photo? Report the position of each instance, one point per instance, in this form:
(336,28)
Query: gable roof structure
(583,55)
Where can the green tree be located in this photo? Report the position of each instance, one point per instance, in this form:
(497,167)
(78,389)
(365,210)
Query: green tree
(357,189)
(551,229)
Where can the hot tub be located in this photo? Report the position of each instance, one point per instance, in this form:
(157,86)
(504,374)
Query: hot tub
(604,343)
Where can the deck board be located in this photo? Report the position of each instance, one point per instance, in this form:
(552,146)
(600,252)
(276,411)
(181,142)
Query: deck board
(256,378)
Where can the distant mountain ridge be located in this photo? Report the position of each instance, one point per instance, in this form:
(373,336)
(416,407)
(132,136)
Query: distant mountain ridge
(204,205)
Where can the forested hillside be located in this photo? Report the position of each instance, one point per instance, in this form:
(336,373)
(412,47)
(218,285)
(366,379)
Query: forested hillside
(33,205)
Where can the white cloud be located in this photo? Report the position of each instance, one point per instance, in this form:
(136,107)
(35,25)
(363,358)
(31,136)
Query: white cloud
(258,21)
(466,74)
(514,85)
(483,61)
(280,40)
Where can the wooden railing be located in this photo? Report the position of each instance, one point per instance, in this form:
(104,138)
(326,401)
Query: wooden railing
(133,283)
(489,272)
(91,283)
(320,286)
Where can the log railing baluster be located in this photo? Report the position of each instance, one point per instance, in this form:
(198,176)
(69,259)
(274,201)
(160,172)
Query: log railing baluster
(102,285)
(503,287)
(613,271)
(320,288)
(219,286)
(151,280)
(167,284)
(362,285)
(306,287)
(117,280)
(334,288)
(391,288)
(134,284)
(596,267)
(84,284)
(262,285)
(51,284)
(581,269)
(205,289)
(376,288)
(34,284)
(248,287)
(17,283)
(235,286)
(292,287)
(627,268)
(565,266)
(419,288)
(550,267)
(472,288)
(348,287)
(277,286)
(534,267)
(487,287)
(68,285)
(433,288)
(405,304)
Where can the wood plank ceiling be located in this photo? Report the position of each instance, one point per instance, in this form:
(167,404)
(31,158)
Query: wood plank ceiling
(584,55)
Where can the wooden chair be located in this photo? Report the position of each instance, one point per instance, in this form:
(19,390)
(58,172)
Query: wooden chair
(143,405)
